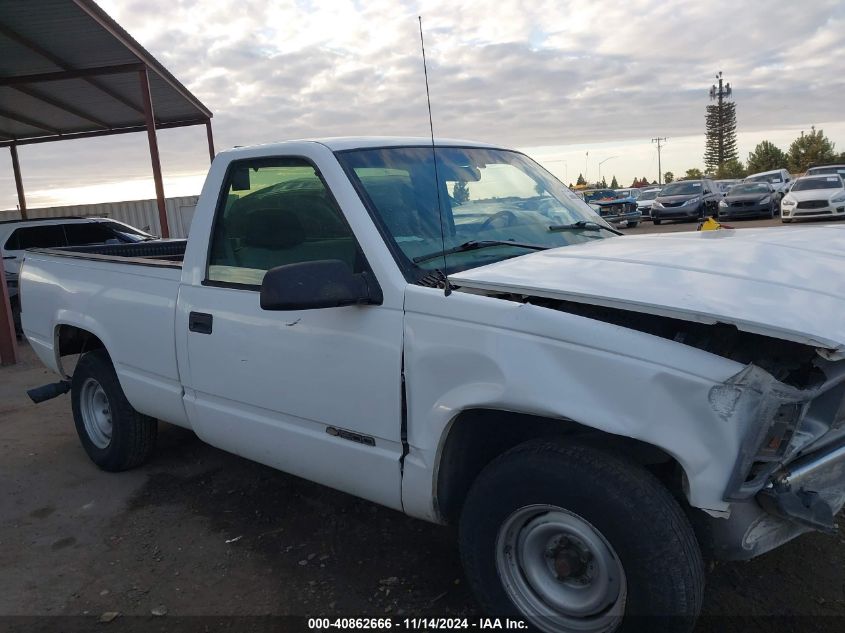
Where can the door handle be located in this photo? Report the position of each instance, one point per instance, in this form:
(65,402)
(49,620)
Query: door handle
(200,322)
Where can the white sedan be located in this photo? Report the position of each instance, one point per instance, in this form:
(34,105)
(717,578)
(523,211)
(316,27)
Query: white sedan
(814,197)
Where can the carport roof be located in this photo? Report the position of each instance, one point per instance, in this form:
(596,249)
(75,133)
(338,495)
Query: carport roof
(67,70)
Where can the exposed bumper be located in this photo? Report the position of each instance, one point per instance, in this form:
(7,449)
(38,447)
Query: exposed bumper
(619,218)
(833,210)
(749,211)
(810,490)
(689,212)
(805,495)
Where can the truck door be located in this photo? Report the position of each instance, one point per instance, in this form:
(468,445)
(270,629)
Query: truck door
(316,393)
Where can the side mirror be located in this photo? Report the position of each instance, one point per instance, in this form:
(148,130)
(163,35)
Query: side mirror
(328,283)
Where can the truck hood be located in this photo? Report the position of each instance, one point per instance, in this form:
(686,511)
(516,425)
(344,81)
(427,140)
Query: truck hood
(784,283)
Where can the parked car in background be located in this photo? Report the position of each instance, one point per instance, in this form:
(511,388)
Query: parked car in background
(749,200)
(725,184)
(619,211)
(18,235)
(824,170)
(779,179)
(646,200)
(686,200)
(814,197)
(631,192)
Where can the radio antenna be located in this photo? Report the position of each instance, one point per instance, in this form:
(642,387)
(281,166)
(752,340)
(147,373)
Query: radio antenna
(448,288)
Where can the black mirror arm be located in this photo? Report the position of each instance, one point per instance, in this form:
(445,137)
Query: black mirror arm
(372,290)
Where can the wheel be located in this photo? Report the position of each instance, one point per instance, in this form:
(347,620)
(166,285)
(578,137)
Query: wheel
(574,539)
(656,221)
(772,211)
(115,436)
(632,224)
(786,220)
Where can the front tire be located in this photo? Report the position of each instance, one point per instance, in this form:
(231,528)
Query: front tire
(574,539)
(656,221)
(115,436)
(632,224)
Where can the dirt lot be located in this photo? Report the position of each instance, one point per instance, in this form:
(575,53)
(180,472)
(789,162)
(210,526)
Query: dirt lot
(201,532)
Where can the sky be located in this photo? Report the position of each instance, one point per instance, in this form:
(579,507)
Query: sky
(556,79)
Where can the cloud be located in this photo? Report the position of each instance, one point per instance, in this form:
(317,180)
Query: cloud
(511,72)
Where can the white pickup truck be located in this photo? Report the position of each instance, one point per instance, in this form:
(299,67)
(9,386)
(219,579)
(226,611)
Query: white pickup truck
(463,339)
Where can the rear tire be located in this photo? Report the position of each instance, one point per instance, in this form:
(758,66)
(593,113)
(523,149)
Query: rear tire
(115,436)
(656,221)
(574,539)
(632,225)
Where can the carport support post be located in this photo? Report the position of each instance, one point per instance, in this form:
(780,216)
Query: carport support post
(154,158)
(210,140)
(8,346)
(16,167)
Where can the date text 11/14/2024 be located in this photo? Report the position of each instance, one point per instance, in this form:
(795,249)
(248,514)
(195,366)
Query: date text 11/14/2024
(417,624)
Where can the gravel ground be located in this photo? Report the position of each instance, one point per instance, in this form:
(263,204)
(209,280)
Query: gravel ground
(201,532)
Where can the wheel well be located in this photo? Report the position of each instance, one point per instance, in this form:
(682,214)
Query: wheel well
(477,436)
(74,340)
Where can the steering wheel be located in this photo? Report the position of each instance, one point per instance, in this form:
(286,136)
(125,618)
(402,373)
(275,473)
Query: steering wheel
(500,220)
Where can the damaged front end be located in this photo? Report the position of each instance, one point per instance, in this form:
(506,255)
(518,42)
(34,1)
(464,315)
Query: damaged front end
(789,477)
(792,458)
(788,404)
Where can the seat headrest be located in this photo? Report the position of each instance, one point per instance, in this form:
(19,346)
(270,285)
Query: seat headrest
(273,228)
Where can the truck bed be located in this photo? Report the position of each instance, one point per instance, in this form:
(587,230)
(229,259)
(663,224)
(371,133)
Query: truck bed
(152,253)
(125,295)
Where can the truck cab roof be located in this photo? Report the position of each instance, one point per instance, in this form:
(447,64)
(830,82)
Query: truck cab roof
(344,143)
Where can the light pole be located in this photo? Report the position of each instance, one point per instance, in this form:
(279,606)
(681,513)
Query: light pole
(659,140)
(586,161)
(604,161)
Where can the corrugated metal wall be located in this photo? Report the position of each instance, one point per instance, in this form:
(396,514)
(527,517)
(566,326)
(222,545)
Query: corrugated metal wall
(142,214)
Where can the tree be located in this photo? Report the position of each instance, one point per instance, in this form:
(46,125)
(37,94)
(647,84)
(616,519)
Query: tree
(580,180)
(731,169)
(460,192)
(766,157)
(693,174)
(668,177)
(810,149)
(720,140)
(614,184)
(603,182)
(643,182)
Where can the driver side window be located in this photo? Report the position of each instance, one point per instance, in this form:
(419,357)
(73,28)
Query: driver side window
(275,212)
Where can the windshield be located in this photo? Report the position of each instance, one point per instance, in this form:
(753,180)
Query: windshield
(765,178)
(682,188)
(649,195)
(485,194)
(752,187)
(827,182)
(600,194)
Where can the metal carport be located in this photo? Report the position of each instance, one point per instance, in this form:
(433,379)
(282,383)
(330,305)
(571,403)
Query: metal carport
(68,71)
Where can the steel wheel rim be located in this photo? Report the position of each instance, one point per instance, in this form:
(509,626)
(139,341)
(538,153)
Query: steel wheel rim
(560,571)
(96,413)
